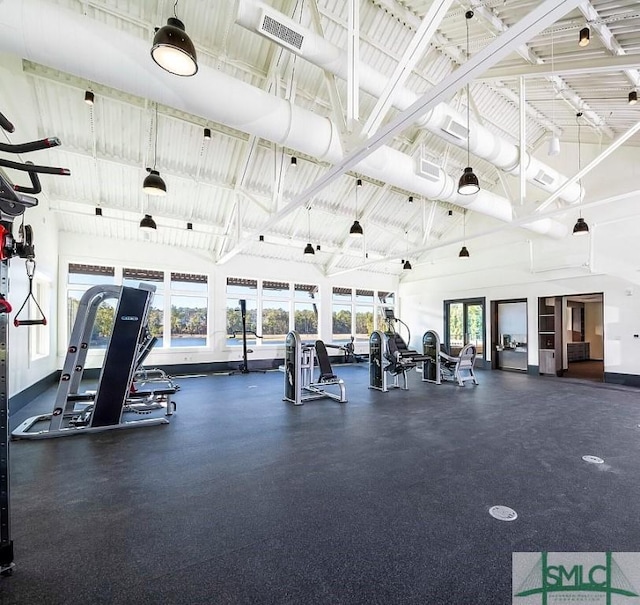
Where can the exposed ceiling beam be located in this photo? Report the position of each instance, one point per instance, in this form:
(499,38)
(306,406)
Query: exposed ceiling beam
(576,177)
(414,52)
(545,14)
(563,68)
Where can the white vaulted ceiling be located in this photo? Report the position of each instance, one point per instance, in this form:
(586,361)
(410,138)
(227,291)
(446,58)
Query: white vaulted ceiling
(240,183)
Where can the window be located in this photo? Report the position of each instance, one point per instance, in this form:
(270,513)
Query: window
(189,300)
(80,279)
(386,300)
(275,312)
(133,278)
(305,314)
(342,314)
(359,312)
(247,290)
(364,314)
(269,305)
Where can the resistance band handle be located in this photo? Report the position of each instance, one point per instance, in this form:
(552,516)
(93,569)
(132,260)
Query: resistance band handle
(30,322)
(5,306)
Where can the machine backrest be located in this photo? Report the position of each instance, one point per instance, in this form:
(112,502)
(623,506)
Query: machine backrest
(467,356)
(326,372)
(399,342)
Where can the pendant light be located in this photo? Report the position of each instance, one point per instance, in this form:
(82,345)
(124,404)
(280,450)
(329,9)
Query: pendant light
(406,266)
(309,247)
(633,97)
(153,183)
(173,50)
(356,229)
(468,183)
(148,224)
(89,97)
(581,227)
(464,253)
(554,143)
(585,36)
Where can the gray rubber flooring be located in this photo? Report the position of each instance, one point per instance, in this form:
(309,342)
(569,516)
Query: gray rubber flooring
(246,499)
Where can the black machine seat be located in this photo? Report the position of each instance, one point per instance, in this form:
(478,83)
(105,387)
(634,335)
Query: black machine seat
(460,368)
(399,363)
(326,372)
(405,353)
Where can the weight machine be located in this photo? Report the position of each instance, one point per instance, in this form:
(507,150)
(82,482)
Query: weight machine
(438,365)
(244,366)
(299,367)
(14,200)
(116,395)
(389,356)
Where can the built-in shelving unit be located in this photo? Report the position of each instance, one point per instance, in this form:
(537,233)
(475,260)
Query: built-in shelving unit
(550,335)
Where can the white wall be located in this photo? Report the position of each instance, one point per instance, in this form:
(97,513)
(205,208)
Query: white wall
(516,267)
(75,248)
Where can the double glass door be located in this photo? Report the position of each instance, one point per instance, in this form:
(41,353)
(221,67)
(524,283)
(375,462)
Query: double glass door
(464,321)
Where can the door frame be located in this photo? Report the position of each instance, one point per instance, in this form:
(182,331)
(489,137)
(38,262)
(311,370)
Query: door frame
(476,300)
(494,328)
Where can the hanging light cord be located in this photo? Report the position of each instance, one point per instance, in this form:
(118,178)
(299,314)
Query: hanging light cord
(553,100)
(356,199)
(309,221)
(468,107)
(579,160)
(174,9)
(155,144)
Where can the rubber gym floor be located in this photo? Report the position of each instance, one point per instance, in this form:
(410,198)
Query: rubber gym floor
(244,498)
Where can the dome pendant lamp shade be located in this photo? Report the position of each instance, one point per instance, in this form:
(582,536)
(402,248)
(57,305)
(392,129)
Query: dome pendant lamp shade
(407,266)
(153,183)
(633,97)
(581,227)
(309,249)
(173,50)
(147,223)
(585,36)
(468,183)
(356,229)
(464,253)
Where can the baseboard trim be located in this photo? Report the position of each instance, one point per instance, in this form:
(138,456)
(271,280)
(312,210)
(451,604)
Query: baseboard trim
(19,400)
(627,380)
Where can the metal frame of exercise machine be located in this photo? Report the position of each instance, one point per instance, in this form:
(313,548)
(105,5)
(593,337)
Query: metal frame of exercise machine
(103,409)
(14,200)
(299,367)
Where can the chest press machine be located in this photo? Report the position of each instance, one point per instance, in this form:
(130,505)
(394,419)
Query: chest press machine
(299,368)
(438,365)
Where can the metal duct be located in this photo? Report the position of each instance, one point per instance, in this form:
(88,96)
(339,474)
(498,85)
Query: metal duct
(93,50)
(483,143)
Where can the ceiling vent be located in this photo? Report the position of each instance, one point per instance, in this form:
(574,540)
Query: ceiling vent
(456,129)
(544,178)
(270,27)
(428,170)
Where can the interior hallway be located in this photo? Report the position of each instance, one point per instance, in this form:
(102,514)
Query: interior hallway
(246,499)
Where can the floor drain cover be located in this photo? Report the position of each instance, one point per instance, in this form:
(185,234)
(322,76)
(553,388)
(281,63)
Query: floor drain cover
(503,513)
(593,459)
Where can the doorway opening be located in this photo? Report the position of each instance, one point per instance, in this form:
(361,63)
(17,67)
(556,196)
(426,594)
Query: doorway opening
(464,324)
(509,335)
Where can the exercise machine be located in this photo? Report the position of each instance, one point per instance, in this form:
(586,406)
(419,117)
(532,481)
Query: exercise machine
(389,356)
(348,350)
(438,365)
(116,394)
(14,200)
(299,369)
(244,366)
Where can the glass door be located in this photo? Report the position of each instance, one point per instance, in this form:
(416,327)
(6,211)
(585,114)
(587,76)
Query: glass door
(464,324)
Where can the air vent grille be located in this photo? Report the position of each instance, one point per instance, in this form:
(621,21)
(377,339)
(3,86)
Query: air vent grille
(456,129)
(544,178)
(429,170)
(281,33)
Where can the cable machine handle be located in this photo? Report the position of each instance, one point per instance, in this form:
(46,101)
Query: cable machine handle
(30,265)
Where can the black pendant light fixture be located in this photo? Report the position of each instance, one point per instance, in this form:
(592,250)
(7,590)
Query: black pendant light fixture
(585,36)
(633,97)
(406,265)
(464,253)
(309,247)
(153,183)
(147,223)
(356,228)
(581,227)
(89,97)
(173,50)
(468,183)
